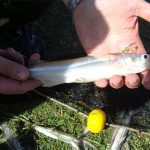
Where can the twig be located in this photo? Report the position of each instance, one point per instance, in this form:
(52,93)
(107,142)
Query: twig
(64,137)
(128,128)
(60,103)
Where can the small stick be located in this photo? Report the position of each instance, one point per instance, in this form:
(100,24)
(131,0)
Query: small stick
(128,128)
(60,103)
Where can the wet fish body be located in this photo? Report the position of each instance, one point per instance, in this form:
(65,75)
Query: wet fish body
(89,69)
(10,138)
(119,136)
(64,137)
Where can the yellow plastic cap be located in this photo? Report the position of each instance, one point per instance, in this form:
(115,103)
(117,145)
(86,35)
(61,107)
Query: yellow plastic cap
(96,121)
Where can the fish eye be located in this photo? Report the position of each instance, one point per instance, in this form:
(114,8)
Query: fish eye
(145,56)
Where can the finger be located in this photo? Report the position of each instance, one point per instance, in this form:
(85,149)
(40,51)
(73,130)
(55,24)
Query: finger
(34,59)
(14,55)
(101,83)
(13,70)
(132,81)
(116,82)
(10,86)
(145,77)
(11,54)
(144,10)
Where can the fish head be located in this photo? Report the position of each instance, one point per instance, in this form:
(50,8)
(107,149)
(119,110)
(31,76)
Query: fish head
(137,62)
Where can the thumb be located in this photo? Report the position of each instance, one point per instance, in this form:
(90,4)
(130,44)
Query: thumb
(144,10)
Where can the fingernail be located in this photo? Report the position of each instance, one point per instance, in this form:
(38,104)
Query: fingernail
(22,75)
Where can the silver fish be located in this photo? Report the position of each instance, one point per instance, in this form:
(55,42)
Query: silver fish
(10,138)
(120,136)
(64,137)
(89,69)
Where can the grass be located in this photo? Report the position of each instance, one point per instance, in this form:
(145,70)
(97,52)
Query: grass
(50,114)
(140,142)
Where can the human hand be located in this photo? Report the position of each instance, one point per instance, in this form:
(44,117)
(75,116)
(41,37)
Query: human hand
(106,26)
(14,76)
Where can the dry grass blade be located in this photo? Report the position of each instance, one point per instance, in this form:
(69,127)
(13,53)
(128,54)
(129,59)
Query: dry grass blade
(10,138)
(60,103)
(128,128)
